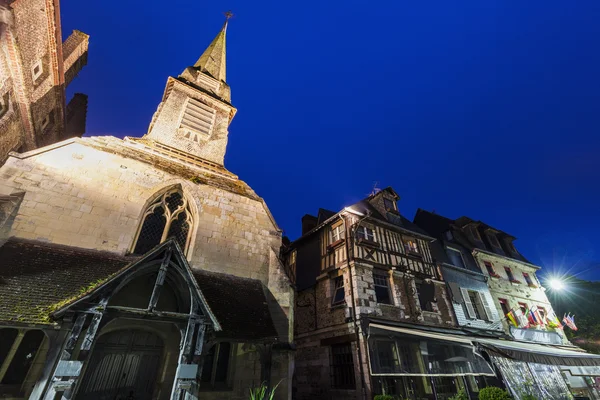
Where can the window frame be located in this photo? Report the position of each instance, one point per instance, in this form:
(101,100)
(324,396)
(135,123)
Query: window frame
(474,300)
(428,307)
(36,75)
(337,284)
(415,250)
(509,274)
(341,367)
(382,277)
(161,201)
(493,238)
(504,302)
(387,203)
(491,270)
(337,233)
(528,280)
(475,233)
(212,385)
(464,266)
(364,231)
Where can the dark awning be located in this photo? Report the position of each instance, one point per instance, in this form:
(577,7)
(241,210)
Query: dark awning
(538,353)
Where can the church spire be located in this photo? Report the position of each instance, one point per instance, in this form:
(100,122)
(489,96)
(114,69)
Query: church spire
(212,61)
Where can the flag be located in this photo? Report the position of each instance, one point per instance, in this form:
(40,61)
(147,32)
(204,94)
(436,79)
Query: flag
(553,322)
(511,317)
(538,317)
(569,320)
(531,317)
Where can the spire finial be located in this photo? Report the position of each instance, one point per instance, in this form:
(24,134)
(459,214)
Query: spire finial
(212,61)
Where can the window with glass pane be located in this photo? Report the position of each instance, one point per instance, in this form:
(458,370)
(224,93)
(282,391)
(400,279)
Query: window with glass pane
(216,367)
(425,293)
(456,257)
(362,232)
(509,274)
(342,367)
(475,301)
(527,279)
(387,355)
(490,268)
(168,217)
(389,204)
(382,288)
(410,245)
(339,295)
(23,358)
(337,233)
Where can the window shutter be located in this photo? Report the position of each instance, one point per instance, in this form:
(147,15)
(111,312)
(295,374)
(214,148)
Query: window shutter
(198,117)
(486,307)
(456,293)
(469,306)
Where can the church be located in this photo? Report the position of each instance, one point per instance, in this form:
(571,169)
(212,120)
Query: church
(141,268)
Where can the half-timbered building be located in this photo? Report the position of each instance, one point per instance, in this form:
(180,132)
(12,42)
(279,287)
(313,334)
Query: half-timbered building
(141,268)
(372,312)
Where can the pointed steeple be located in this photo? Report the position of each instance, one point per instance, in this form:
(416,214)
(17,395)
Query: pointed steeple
(212,61)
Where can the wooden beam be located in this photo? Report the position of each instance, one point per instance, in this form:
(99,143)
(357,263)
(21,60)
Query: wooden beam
(160,280)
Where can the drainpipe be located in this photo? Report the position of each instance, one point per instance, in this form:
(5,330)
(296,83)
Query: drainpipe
(354,312)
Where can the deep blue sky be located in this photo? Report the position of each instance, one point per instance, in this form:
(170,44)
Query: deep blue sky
(489,109)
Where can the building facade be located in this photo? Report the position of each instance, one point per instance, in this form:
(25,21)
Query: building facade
(373,315)
(142,267)
(36,66)
(478,257)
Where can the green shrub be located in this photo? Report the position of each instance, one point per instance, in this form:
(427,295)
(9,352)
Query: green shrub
(385,397)
(493,393)
(528,397)
(461,395)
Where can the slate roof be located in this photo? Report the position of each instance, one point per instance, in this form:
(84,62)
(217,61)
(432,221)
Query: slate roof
(239,304)
(37,277)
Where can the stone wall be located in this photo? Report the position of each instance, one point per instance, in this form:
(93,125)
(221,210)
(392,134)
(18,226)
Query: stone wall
(98,200)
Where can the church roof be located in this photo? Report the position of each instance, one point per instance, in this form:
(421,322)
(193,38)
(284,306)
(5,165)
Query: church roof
(212,61)
(37,278)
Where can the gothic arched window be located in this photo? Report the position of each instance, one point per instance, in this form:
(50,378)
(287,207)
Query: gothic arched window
(168,217)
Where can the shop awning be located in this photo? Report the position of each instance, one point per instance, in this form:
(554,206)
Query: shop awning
(400,351)
(537,353)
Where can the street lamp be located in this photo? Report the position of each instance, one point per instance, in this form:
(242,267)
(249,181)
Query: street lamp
(556,284)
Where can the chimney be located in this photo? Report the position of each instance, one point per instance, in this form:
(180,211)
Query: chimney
(309,222)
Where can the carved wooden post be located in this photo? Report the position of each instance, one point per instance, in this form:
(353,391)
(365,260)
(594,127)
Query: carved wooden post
(160,280)
(71,369)
(188,369)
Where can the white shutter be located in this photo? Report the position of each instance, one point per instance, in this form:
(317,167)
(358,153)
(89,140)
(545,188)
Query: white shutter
(486,307)
(468,304)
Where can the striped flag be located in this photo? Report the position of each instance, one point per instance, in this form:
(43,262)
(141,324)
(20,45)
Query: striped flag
(511,317)
(569,320)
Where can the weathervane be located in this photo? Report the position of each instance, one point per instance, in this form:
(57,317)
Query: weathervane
(228,15)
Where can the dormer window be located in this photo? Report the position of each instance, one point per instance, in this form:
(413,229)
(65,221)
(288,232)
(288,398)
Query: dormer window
(389,204)
(362,232)
(448,235)
(493,239)
(474,232)
(197,120)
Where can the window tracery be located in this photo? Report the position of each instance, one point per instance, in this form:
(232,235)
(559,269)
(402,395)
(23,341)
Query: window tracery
(168,217)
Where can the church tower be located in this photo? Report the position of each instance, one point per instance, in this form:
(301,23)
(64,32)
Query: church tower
(195,112)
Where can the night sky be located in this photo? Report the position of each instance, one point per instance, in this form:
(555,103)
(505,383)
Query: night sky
(489,109)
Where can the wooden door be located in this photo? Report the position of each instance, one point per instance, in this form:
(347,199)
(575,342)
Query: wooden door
(123,366)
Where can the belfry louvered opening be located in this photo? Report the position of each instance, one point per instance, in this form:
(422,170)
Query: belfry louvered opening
(197,118)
